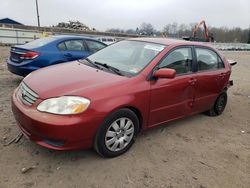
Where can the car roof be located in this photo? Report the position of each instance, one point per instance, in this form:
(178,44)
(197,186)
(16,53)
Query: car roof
(71,37)
(168,41)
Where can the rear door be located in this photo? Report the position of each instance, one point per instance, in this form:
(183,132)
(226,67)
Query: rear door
(211,77)
(173,98)
(73,49)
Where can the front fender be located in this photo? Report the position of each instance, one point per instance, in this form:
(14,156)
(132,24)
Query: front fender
(138,101)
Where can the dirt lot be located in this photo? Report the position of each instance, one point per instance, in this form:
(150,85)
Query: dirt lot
(199,151)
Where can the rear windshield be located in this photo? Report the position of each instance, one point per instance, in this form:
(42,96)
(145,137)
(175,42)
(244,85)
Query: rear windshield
(40,42)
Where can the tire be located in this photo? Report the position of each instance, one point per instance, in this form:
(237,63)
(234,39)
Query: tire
(117,133)
(219,105)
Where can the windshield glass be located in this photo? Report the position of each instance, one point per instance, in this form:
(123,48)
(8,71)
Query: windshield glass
(40,42)
(128,56)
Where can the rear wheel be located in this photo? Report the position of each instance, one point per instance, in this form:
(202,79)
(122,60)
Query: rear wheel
(219,105)
(117,133)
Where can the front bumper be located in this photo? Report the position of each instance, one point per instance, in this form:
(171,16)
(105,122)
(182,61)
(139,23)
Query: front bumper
(56,131)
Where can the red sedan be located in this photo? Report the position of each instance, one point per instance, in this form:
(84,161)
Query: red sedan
(104,101)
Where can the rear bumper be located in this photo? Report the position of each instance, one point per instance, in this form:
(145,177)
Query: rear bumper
(20,69)
(56,131)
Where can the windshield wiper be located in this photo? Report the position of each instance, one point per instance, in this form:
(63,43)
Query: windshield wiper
(96,64)
(113,69)
(92,63)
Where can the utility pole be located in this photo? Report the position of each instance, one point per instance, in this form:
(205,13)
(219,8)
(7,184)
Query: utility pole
(37,13)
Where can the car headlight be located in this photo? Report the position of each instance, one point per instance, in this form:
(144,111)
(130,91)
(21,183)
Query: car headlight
(64,105)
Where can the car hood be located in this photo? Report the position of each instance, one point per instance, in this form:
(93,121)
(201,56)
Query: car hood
(71,78)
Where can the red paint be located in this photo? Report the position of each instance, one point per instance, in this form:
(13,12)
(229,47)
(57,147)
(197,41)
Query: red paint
(165,73)
(157,100)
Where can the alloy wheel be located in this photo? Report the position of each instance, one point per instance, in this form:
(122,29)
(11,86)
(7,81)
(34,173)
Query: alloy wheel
(119,134)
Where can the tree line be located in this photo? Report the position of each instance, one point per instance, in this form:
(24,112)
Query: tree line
(175,30)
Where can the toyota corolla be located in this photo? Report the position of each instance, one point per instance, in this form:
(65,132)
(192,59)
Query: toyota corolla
(105,100)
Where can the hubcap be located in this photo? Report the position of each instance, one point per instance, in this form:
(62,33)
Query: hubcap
(119,134)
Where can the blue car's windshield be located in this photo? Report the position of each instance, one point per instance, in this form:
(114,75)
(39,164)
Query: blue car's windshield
(128,56)
(40,42)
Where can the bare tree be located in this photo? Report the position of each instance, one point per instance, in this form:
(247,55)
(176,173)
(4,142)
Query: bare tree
(147,29)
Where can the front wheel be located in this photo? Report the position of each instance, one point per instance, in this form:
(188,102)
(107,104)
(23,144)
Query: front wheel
(219,105)
(117,133)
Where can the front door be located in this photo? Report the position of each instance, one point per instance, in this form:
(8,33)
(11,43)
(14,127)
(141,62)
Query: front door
(173,98)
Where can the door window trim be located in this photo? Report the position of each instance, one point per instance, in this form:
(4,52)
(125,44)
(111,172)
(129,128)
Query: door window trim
(150,76)
(211,49)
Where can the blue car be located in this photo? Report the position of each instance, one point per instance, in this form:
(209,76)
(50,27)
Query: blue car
(50,51)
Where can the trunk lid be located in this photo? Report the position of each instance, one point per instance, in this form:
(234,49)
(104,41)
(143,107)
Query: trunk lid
(17,52)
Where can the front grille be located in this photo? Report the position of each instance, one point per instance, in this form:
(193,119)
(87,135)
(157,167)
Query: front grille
(26,95)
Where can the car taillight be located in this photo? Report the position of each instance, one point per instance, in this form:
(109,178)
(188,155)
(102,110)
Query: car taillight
(29,55)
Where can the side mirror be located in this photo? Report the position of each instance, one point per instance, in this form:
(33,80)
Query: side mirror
(164,73)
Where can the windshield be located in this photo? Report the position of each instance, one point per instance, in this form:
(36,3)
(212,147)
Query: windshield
(40,42)
(128,56)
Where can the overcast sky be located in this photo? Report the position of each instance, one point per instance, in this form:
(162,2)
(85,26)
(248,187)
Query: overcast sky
(126,14)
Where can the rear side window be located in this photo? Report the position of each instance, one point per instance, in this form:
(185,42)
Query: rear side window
(94,46)
(62,46)
(208,60)
(74,45)
(179,59)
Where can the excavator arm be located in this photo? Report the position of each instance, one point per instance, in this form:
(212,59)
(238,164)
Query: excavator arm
(208,37)
(206,33)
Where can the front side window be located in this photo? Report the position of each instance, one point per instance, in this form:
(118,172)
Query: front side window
(208,59)
(74,45)
(128,56)
(94,46)
(180,60)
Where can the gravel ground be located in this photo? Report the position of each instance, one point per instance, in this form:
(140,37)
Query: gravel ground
(198,151)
